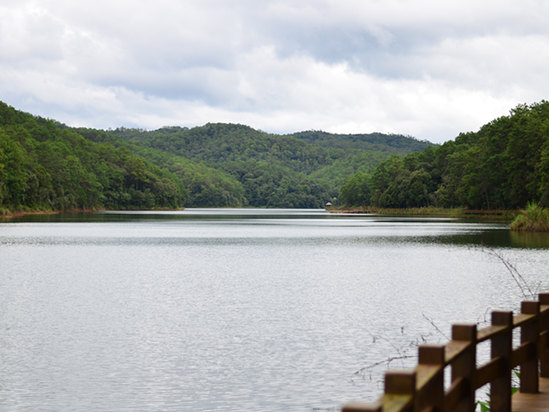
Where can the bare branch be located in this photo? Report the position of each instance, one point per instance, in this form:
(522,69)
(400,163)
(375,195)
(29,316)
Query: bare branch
(515,274)
(433,324)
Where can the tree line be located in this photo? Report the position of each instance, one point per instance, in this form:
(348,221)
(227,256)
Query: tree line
(303,170)
(45,165)
(505,165)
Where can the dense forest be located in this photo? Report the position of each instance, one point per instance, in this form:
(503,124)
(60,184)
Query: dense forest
(504,165)
(45,165)
(298,170)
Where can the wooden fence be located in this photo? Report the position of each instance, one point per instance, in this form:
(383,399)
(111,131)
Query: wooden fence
(422,389)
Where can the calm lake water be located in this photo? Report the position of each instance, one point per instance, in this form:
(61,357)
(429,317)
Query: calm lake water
(237,309)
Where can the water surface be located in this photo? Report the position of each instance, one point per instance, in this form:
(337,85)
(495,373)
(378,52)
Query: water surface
(237,309)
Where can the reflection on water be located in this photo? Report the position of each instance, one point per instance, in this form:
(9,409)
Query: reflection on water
(493,238)
(235,309)
(410,229)
(529,240)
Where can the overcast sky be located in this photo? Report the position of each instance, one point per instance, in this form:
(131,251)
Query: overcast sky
(429,69)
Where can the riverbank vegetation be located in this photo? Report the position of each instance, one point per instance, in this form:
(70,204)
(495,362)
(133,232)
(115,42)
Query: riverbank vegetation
(431,211)
(533,219)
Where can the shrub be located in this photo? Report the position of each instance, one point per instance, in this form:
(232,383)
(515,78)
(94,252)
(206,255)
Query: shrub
(533,219)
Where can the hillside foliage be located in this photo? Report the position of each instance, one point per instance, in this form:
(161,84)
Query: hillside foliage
(504,165)
(45,165)
(301,170)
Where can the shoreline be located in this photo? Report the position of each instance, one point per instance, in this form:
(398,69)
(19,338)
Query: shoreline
(21,213)
(16,214)
(458,213)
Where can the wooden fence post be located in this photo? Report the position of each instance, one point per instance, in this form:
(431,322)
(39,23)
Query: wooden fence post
(529,377)
(502,346)
(431,395)
(544,337)
(401,383)
(362,407)
(465,365)
(400,389)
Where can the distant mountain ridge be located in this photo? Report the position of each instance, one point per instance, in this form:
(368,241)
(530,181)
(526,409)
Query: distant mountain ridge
(303,169)
(394,143)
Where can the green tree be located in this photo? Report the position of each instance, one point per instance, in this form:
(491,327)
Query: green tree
(356,190)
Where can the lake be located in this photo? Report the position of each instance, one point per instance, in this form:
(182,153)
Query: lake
(238,309)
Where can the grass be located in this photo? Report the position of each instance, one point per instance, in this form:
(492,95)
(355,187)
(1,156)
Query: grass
(533,219)
(432,211)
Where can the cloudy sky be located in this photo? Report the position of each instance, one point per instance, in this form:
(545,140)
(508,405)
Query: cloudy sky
(429,69)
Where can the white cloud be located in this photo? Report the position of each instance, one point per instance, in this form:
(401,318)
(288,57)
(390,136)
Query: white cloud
(424,68)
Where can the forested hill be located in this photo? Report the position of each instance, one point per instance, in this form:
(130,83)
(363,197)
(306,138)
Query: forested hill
(504,165)
(376,142)
(275,170)
(303,151)
(45,165)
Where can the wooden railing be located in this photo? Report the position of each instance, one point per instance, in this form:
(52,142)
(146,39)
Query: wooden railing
(423,389)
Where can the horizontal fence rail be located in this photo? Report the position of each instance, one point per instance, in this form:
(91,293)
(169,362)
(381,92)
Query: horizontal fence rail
(422,389)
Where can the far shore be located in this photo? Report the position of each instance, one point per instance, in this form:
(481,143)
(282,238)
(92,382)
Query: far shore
(11,215)
(462,213)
